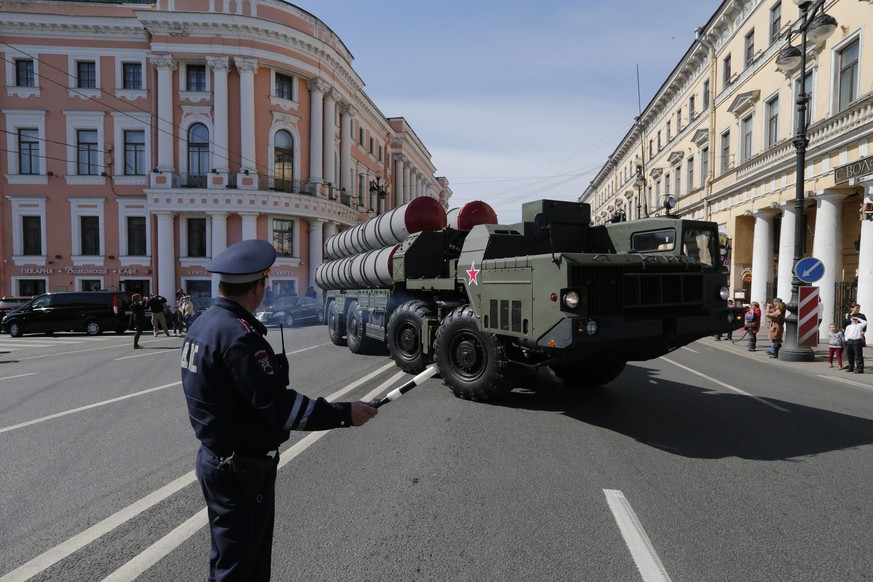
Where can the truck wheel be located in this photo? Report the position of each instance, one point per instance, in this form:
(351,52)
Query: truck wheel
(336,325)
(589,376)
(356,335)
(404,336)
(473,364)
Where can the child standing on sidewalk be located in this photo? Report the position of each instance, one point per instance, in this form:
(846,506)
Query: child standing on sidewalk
(835,346)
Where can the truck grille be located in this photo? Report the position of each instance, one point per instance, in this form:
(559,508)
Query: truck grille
(657,291)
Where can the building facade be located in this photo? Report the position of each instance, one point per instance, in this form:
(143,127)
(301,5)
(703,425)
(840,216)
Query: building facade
(144,137)
(717,139)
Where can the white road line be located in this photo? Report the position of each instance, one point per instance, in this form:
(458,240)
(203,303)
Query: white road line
(690,350)
(638,542)
(163,546)
(88,407)
(150,353)
(840,380)
(728,386)
(18,376)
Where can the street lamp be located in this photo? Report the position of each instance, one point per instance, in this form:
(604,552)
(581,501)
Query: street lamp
(377,188)
(816,26)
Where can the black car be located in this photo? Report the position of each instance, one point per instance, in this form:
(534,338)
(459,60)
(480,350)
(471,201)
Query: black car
(8,304)
(88,311)
(290,311)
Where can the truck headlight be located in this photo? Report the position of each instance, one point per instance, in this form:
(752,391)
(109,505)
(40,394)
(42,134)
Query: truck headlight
(571,299)
(591,327)
(724,293)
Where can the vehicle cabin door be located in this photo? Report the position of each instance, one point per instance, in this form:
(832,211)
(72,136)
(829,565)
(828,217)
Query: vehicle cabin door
(67,311)
(307,309)
(37,315)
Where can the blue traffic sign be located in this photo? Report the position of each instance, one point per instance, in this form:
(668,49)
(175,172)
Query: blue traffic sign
(809,270)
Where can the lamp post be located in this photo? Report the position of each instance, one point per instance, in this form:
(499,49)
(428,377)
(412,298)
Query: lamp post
(640,183)
(817,26)
(377,188)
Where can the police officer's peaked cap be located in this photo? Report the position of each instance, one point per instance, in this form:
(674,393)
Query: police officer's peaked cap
(243,262)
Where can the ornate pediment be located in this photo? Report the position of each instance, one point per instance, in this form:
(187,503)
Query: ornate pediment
(700,137)
(675,157)
(743,102)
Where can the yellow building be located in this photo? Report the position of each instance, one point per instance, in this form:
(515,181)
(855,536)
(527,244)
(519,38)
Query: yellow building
(718,140)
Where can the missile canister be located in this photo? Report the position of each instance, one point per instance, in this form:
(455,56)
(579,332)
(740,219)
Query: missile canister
(471,214)
(387,229)
(369,270)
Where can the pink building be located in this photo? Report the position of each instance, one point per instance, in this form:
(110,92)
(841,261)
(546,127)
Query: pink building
(142,138)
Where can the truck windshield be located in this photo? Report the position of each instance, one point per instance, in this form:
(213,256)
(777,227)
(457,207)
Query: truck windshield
(654,241)
(701,244)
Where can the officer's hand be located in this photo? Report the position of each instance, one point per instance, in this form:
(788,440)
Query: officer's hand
(362,412)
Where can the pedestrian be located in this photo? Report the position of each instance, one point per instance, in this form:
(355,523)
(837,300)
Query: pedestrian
(753,324)
(187,312)
(854,310)
(836,343)
(178,321)
(137,308)
(311,292)
(157,304)
(854,335)
(776,315)
(241,411)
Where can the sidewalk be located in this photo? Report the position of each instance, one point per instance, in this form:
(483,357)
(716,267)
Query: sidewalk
(739,346)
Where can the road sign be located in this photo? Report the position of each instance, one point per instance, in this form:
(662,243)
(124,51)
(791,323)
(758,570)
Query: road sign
(809,270)
(807,317)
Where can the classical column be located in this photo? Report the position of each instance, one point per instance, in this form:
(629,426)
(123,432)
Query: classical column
(317,87)
(762,255)
(827,247)
(407,182)
(347,182)
(247,69)
(399,195)
(166,254)
(165,64)
(786,251)
(219,242)
(220,67)
(329,230)
(330,135)
(865,258)
(316,247)
(249,225)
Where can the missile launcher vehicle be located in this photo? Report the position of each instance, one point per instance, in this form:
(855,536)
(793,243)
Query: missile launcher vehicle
(477,298)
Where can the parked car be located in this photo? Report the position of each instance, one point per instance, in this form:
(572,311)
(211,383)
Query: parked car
(8,304)
(88,311)
(201,304)
(290,311)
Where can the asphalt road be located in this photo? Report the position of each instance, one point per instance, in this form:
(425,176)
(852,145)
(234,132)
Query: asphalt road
(708,464)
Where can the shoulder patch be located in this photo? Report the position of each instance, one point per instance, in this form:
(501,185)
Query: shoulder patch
(262,357)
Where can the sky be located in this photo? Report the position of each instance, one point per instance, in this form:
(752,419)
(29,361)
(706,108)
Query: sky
(515,101)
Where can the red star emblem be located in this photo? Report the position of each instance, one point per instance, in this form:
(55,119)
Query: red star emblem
(473,272)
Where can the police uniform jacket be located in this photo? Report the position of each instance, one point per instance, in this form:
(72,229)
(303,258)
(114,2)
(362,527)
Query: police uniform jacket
(236,393)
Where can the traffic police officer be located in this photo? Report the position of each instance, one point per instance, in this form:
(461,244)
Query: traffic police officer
(241,411)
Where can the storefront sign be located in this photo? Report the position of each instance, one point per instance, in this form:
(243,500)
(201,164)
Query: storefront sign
(863,167)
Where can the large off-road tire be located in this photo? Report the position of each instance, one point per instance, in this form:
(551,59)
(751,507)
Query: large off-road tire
(336,325)
(589,376)
(472,363)
(404,336)
(356,332)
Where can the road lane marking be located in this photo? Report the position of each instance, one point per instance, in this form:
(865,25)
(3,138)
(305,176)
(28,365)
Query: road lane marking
(87,407)
(18,376)
(690,350)
(840,380)
(79,541)
(728,386)
(638,542)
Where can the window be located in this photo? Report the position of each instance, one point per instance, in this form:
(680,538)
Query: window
(361,136)
(677,181)
(136,236)
(651,150)
(749,48)
(772,107)
(775,22)
(666,184)
(746,128)
(660,146)
(24,73)
(668,131)
(704,165)
(678,120)
(86,74)
(809,96)
(283,237)
(283,161)
(28,151)
(131,76)
(706,94)
(726,72)
(31,287)
(31,228)
(196,229)
(690,166)
(371,146)
(86,152)
(725,152)
(134,153)
(198,156)
(691,111)
(195,76)
(284,87)
(90,234)
(848,79)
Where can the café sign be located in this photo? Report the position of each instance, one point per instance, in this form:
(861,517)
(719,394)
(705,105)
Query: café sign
(862,167)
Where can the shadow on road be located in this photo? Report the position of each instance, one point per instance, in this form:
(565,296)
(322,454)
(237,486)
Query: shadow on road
(691,421)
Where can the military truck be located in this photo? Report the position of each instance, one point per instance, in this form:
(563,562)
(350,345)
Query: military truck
(478,298)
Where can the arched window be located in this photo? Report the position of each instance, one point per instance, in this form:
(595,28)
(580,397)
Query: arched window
(198,155)
(283,161)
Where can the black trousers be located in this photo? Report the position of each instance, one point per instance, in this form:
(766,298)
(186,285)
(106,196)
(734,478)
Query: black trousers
(240,528)
(855,355)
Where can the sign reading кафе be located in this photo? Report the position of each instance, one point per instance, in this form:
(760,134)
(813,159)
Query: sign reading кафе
(862,167)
